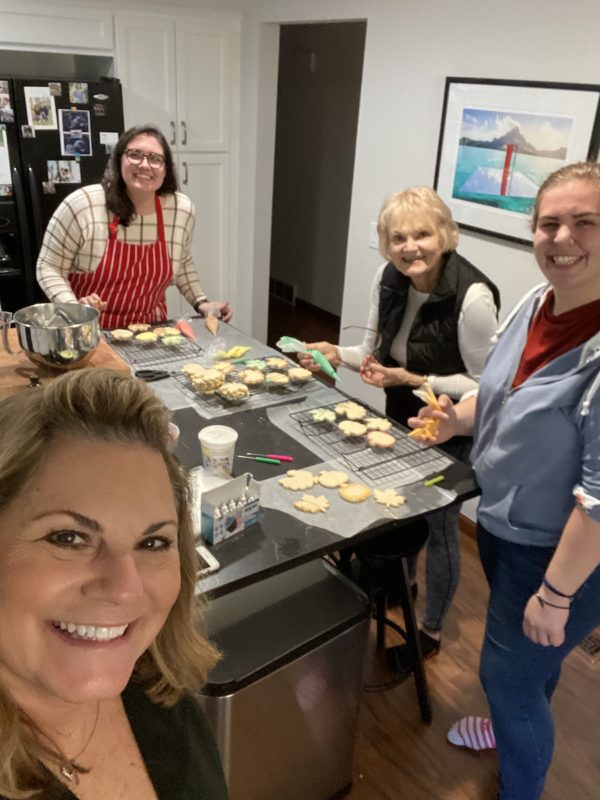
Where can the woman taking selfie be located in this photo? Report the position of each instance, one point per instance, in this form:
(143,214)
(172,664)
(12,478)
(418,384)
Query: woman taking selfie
(99,646)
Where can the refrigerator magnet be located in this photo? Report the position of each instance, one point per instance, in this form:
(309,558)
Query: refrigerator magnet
(6,111)
(75,137)
(69,171)
(55,88)
(108,137)
(27,132)
(78,93)
(41,108)
(99,104)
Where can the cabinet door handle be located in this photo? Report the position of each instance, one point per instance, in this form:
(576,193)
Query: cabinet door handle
(173,133)
(183,132)
(185,172)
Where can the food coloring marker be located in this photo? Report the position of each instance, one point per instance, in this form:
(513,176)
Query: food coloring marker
(264,459)
(272,455)
(433,481)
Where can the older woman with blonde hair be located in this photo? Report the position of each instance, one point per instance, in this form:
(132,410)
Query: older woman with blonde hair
(99,643)
(431,317)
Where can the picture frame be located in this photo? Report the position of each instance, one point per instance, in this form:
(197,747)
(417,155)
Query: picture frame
(500,139)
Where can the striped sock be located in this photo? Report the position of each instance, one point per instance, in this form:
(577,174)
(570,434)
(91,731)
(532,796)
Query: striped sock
(476,733)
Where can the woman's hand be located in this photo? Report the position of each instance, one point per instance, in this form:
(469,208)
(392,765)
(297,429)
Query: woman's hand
(545,624)
(216,309)
(446,417)
(93,300)
(329,351)
(375,374)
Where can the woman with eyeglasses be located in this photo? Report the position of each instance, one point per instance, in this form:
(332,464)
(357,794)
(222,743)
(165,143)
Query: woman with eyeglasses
(119,244)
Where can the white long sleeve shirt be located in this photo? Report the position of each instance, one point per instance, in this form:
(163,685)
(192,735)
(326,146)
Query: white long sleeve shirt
(477,323)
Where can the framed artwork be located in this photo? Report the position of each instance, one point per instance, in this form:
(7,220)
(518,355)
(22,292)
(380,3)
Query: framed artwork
(499,140)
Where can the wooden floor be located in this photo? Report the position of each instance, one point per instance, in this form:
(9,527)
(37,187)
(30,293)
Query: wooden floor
(302,321)
(399,757)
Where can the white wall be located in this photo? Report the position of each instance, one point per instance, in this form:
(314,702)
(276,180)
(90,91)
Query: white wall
(411,47)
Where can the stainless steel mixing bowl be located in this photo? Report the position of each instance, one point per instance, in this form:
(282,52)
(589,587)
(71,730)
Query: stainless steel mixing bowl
(59,335)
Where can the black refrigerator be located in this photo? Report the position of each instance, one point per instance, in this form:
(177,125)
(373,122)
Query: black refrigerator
(55,136)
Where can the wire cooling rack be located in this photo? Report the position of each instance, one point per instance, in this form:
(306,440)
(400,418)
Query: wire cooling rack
(259,395)
(405,462)
(141,356)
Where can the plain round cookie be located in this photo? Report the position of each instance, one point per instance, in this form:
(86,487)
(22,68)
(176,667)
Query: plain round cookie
(299,374)
(355,492)
(380,439)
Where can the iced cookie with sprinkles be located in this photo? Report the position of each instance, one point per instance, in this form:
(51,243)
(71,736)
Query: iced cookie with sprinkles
(322,415)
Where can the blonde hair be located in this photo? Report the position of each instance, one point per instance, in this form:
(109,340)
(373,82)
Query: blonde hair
(98,404)
(579,171)
(423,202)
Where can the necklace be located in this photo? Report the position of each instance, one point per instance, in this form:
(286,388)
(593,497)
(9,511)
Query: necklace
(69,769)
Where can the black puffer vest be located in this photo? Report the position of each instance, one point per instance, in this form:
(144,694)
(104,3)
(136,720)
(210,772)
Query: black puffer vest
(433,340)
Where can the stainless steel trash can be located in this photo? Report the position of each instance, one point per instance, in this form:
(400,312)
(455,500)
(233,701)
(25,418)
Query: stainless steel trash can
(283,702)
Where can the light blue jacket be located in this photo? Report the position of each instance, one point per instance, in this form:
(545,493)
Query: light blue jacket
(538,445)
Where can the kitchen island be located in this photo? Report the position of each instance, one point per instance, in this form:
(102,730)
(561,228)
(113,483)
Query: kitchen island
(276,421)
(284,700)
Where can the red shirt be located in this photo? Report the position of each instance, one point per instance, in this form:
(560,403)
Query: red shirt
(550,336)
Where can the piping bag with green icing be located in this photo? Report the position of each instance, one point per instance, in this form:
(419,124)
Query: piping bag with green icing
(287,344)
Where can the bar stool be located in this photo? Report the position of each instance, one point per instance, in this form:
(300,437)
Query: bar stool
(383,570)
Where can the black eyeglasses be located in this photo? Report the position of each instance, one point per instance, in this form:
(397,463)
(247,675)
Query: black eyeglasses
(136,157)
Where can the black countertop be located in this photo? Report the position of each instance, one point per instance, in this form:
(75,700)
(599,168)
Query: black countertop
(279,541)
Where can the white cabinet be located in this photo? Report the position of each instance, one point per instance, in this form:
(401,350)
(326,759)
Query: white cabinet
(145,47)
(204,84)
(49,27)
(205,178)
(180,74)
(183,75)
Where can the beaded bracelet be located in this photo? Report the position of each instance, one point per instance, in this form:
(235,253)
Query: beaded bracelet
(547,583)
(543,603)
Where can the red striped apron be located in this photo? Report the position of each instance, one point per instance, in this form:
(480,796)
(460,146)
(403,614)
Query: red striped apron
(130,278)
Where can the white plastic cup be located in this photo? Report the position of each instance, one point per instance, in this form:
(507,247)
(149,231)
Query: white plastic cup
(218,447)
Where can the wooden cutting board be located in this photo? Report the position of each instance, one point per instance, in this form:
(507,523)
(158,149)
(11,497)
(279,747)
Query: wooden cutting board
(15,371)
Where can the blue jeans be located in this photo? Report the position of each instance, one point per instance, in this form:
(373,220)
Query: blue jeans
(518,676)
(442,562)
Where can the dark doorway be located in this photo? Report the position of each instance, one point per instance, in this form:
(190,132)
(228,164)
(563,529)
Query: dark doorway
(318,95)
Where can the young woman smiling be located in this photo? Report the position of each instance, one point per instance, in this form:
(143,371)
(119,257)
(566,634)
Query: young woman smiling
(118,245)
(536,454)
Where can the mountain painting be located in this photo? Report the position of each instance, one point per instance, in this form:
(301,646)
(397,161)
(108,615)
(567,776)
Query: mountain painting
(503,156)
